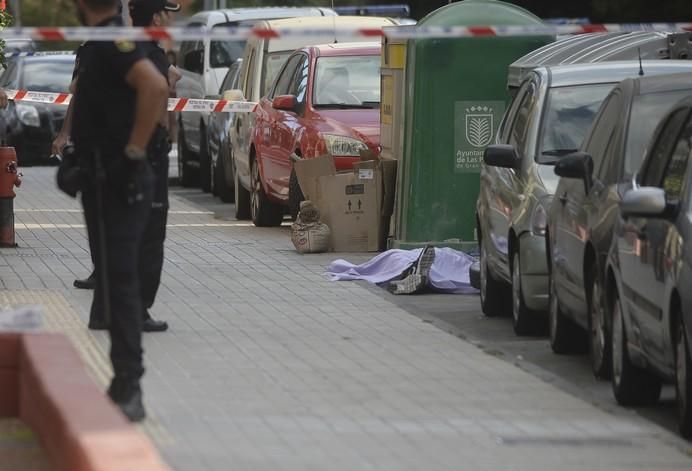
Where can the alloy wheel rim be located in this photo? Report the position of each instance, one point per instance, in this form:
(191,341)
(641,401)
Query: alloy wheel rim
(618,343)
(516,288)
(597,328)
(681,371)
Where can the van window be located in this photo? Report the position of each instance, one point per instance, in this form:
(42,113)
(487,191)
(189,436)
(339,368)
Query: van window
(225,53)
(273,62)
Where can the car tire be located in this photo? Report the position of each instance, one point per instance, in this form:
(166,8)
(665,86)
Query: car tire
(295,195)
(683,378)
(223,189)
(565,336)
(264,213)
(599,337)
(188,176)
(242,198)
(204,162)
(525,321)
(496,304)
(632,386)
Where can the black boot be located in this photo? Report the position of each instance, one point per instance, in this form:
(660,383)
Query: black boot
(87,283)
(127,395)
(150,324)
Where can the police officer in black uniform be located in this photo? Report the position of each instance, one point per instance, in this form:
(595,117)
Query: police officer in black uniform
(119,96)
(155,13)
(96,320)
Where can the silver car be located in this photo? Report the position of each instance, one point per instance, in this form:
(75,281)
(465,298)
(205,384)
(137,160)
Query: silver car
(548,119)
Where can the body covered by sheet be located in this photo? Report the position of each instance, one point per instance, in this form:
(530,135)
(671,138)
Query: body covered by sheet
(449,272)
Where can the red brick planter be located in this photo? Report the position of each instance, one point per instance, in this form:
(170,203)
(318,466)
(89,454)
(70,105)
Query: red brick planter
(44,382)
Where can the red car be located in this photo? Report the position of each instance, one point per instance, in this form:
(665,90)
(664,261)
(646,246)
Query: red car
(325,100)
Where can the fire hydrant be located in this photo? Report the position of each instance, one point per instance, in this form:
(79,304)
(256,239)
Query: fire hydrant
(9,178)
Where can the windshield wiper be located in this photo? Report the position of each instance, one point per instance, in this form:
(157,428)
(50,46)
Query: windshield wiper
(345,106)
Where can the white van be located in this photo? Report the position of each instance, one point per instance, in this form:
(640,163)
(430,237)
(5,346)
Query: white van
(262,62)
(203,65)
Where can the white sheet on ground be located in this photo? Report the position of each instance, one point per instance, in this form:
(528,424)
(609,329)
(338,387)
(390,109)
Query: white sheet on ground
(449,272)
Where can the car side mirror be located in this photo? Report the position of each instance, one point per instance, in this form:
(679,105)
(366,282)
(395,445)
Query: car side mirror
(233,95)
(501,155)
(643,202)
(194,61)
(285,103)
(578,165)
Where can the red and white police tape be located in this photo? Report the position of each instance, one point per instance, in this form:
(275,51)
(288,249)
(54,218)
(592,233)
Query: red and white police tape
(174,104)
(400,32)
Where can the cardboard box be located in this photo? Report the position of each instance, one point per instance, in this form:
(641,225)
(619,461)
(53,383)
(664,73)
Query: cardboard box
(356,205)
(308,172)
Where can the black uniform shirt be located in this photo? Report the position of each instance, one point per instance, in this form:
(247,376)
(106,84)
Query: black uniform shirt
(157,55)
(104,107)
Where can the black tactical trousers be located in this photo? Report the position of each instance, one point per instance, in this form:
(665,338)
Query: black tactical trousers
(118,247)
(152,253)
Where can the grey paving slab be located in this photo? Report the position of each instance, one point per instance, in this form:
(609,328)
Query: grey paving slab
(268,365)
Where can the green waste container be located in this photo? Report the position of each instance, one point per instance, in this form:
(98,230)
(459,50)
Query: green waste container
(456,94)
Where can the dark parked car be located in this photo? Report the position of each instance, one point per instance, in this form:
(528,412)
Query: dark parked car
(547,119)
(650,274)
(582,216)
(221,178)
(31,127)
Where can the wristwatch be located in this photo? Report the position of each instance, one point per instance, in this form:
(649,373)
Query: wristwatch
(133,152)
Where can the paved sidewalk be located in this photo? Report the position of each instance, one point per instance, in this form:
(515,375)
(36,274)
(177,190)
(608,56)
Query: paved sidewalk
(269,366)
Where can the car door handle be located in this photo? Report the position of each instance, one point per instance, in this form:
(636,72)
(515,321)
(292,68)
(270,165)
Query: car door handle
(563,199)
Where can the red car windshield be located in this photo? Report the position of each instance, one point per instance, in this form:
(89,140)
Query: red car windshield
(347,82)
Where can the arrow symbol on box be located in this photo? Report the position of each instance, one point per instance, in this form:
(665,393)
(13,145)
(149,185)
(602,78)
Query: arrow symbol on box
(349,205)
(360,204)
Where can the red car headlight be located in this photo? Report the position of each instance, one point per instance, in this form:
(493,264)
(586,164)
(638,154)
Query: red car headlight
(343,146)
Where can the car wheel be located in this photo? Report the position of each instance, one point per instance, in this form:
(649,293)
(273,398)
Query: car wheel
(242,198)
(599,339)
(204,162)
(565,335)
(264,212)
(632,386)
(188,176)
(683,378)
(223,189)
(524,319)
(295,195)
(493,292)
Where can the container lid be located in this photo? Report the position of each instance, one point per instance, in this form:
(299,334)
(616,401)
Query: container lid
(480,12)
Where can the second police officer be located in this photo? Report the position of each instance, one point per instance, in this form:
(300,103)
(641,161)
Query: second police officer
(119,96)
(155,13)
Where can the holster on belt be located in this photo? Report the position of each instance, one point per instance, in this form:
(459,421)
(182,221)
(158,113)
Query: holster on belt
(159,145)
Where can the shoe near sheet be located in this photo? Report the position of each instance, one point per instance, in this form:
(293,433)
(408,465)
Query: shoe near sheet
(417,280)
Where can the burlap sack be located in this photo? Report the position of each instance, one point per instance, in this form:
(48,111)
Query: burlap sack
(310,238)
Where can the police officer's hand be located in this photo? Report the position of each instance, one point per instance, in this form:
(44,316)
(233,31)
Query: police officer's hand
(137,181)
(58,144)
(132,179)
(3,99)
